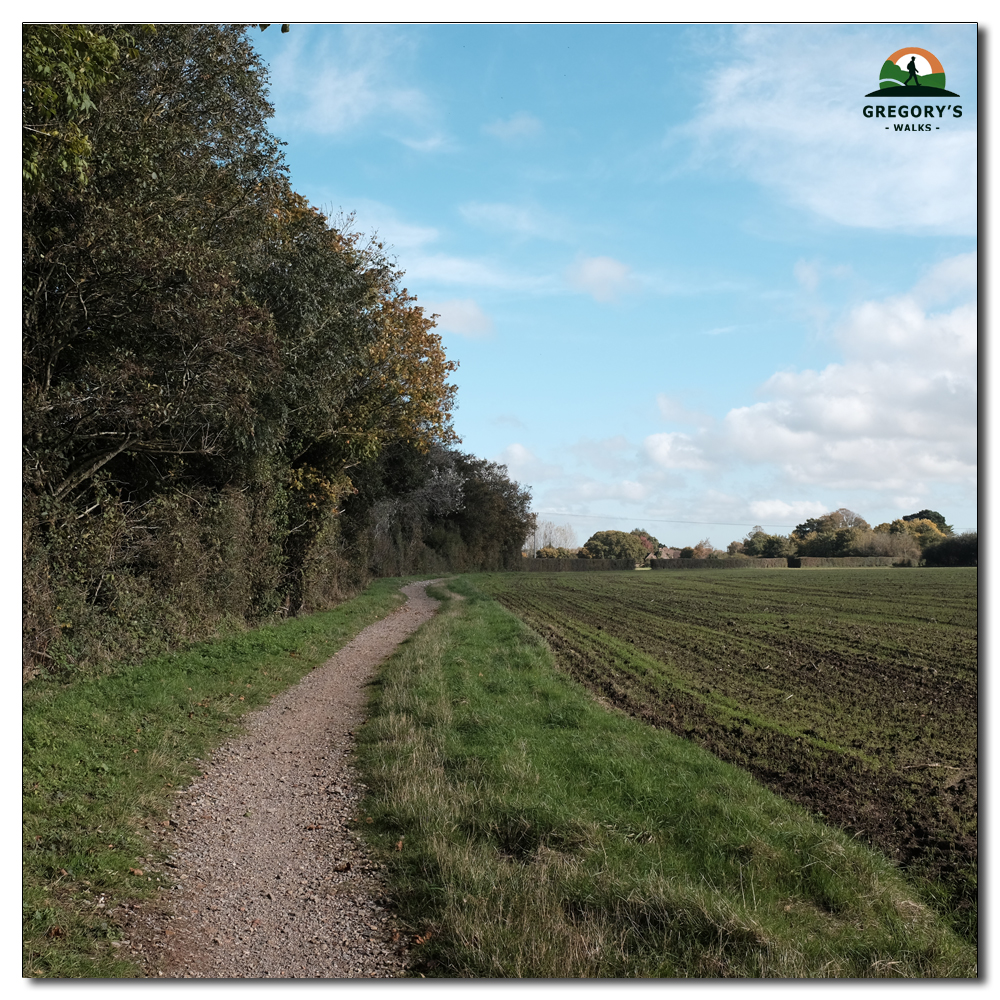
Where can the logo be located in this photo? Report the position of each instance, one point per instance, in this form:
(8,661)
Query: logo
(911,73)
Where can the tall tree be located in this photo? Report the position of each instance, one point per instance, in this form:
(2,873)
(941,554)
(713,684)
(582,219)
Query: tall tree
(614,545)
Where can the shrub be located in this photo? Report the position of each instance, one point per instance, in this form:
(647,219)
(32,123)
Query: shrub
(959,550)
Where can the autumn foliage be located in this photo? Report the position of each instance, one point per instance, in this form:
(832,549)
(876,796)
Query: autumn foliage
(212,368)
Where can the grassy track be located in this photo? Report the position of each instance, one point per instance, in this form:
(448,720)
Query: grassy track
(103,756)
(852,691)
(533,833)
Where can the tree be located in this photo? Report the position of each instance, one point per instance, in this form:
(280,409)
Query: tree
(648,541)
(614,545)
(63,67)
(931,515)
(925,531)
(834,521)
(199,343)
(548,534)
(140,341)
(759,544)
(703,549)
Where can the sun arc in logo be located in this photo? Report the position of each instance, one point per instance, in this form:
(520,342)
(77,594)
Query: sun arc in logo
(912,72)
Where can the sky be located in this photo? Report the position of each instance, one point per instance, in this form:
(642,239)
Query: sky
(689,285)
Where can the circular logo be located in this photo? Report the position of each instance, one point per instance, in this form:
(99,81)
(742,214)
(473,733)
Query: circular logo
(912,72)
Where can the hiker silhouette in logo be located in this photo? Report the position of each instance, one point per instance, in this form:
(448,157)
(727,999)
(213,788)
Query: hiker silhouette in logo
(912,67)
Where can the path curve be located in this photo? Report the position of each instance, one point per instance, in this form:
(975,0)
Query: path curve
(270,882)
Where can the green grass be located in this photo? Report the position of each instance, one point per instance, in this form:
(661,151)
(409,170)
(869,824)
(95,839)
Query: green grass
(531,832)
(103,757)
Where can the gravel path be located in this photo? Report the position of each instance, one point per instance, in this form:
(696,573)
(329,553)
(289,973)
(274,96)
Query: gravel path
(270,881)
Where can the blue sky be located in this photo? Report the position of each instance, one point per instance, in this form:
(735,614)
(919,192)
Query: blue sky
(689,285)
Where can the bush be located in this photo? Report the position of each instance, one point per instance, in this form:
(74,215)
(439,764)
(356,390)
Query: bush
(900,545)
(959,550)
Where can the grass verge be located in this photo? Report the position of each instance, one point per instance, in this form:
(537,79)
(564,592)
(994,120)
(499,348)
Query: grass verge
(530,832)
(102,758)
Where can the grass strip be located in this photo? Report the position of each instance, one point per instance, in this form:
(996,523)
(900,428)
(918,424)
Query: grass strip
(530,832)
(102,758)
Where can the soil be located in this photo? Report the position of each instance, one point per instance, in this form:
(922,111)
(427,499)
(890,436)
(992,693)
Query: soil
(270,879)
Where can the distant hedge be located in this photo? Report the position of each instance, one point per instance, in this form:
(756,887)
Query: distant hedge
(774,563)
(574,565)
(841,562)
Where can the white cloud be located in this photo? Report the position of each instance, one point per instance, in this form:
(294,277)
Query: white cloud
(898,412)
(525,466)
(450,270)
(510,420)
(611,454)
(518,127)
(604,278)
(597,490)
(462,316)
(349,78)
(888,428)
(951,278)
(674,450)
(779,512)
(519,220)
(429,145)
(674,410)
(775,116)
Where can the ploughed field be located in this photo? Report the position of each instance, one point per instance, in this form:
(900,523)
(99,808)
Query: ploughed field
(850,691)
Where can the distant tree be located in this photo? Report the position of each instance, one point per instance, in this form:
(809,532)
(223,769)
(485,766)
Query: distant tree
(925,531)
(836,520)
(954,550)
(931,515)
(648,541)
(703,549)
(549,534)
(759,544)
(687,553)
(614,545)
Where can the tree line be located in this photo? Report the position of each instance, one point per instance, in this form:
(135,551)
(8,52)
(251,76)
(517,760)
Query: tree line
(233,410)
(921,537)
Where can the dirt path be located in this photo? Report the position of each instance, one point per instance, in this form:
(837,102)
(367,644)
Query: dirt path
(270,881)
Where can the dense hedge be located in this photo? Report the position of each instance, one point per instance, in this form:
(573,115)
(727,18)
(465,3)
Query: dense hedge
(775,563)
(835,562)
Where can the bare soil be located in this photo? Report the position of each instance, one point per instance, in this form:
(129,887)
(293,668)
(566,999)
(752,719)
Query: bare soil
(272,880)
